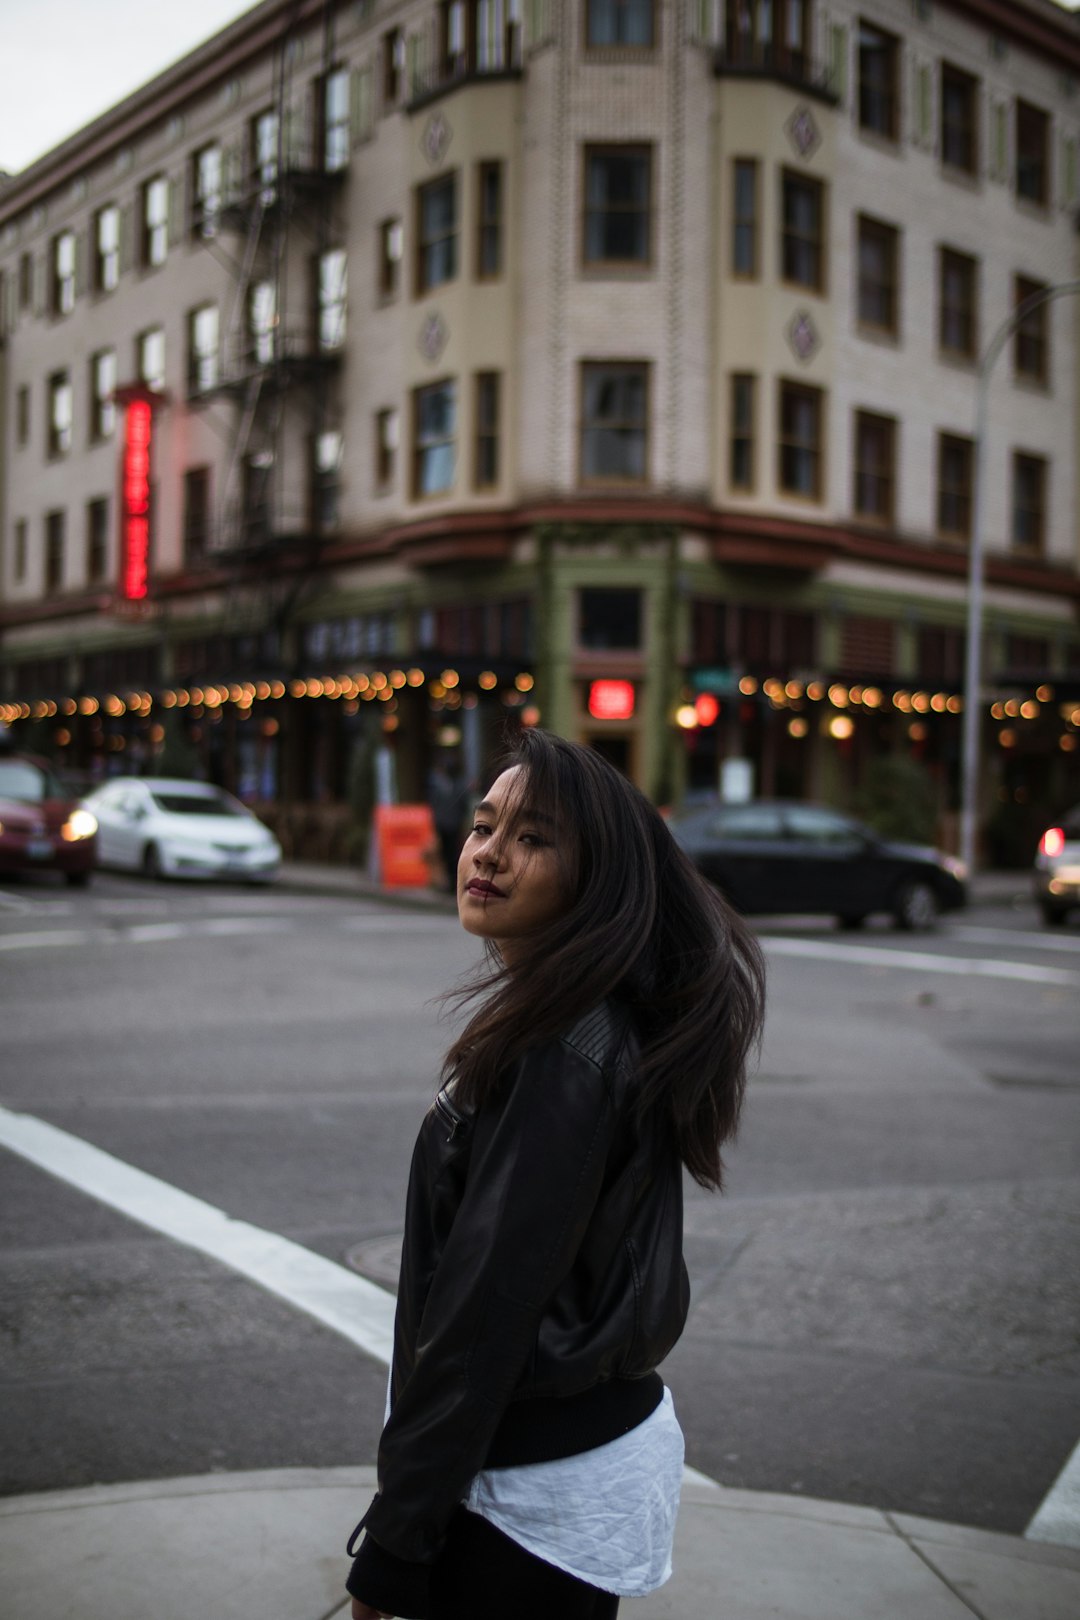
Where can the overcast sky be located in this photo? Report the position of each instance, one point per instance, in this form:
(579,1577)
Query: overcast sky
(62,62)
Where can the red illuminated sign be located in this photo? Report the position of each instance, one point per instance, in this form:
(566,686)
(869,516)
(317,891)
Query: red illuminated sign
(706,708)
(611,700)
(135,501)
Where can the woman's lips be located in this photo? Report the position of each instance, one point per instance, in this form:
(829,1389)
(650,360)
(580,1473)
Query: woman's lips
(484,891)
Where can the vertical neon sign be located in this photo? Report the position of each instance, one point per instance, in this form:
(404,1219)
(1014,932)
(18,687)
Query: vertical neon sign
(135,501)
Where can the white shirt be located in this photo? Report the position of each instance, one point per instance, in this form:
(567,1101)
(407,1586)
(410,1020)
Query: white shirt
(606,1516)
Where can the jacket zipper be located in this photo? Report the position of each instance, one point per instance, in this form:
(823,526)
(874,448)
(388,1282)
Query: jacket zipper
(450,1114)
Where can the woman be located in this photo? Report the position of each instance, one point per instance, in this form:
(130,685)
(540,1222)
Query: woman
(531,1460)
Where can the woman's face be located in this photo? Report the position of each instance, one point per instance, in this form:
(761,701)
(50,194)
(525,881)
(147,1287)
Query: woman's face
(510,875)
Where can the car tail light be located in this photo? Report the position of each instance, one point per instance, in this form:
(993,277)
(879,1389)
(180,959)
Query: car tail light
(1052,842)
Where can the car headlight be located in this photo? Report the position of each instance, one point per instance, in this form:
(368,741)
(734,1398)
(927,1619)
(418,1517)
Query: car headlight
(80,824)
(957,868)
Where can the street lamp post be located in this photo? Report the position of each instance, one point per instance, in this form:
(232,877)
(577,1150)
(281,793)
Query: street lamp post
(969,789)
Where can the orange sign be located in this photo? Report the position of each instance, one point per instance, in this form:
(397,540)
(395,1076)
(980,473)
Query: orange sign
(404,840)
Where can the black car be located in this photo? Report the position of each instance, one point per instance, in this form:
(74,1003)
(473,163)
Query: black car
(773,856)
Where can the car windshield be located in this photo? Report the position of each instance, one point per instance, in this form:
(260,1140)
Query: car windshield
(30,783)
(178,803)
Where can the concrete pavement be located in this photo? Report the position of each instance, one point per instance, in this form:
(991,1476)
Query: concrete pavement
(271,1545)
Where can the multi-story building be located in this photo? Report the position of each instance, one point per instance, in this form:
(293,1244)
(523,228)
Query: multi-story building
(383,369)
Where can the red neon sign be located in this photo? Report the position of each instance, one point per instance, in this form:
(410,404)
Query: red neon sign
(135,501)
(611,700)
(706,708)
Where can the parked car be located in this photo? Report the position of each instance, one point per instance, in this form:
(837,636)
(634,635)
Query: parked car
(42,826)
(1057,868)
(779,857)
(166,827)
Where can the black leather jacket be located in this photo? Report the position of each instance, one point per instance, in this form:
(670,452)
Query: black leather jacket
(542,1274)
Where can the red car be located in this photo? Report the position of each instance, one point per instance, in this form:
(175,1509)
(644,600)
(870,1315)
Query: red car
(41,825)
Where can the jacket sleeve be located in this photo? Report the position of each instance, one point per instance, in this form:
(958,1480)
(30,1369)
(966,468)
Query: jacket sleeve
(535,1174)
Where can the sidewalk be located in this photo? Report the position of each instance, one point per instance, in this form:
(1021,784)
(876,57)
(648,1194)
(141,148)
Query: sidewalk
(270,1546)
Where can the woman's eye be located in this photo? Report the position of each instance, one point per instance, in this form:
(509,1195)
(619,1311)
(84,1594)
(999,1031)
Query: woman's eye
(481,827)
(534,839)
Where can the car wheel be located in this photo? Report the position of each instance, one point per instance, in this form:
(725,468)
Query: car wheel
(915,906)
(851,920)
(1054,915)
(151,862)
(77,880)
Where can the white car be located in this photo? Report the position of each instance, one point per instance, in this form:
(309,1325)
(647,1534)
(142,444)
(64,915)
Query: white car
(166,827)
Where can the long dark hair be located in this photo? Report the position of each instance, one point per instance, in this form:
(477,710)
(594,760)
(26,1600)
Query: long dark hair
(639,925)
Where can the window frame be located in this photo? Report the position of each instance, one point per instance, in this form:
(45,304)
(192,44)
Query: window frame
(797,239)
(487,435)
(387,444)
(1037,376)
(862,419)
(963,493)
(192,478)
(420,449)
(62,275)
(599,266)
(106,259)
(868,225)
(206,202)
(331,312)
(971,85)
(23,414)
(153,230)
(55,557)
(968,314)
(749,438)
(816,395)
(97,539)
(586,368)
(203,363)
(742,223)
(891,93)
(622,10)
(325,481)
(425,245)
(489,228)
(102,407)
(335,133)
(60,434)
(155,384)
(1038,116)
(1037,547)
(389,268)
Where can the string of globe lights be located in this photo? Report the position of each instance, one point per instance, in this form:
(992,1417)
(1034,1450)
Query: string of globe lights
(353,689)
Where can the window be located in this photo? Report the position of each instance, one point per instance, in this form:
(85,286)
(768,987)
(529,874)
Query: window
(741,465)
(744,224)
(206,191)
(390,250)
(436,233)
(800,440)
(386,444)
(55,525)
(955,465)
(434,435)
(331,311)
(1031,349)
(875,466)
(262,321)
(102,385)
(957,324)
(489,228)
(1032,154)
(959,119)
(19,559)
(769,34)
(393,54)
(106,248)
(878,259)
(879,80)
(151,358)
(63,273)
(97,540)
(155,221)
(196,531)
(802,244)
(264,156)
(335,120)
(614,423)
(22,416)
(326,458)
(609,620)
(61,410)
(202,349)
(486,467)
(618,183)
(1029,503)
(619,22)
(26,280)
(258,482)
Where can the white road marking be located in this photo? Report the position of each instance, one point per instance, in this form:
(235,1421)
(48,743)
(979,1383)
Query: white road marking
(1058,1517)
(14,902)
(972,967)
(339,1299)
(1049,941)
(147,933)
(52,936)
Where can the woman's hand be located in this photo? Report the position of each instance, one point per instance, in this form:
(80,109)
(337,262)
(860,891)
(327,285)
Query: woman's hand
(363,1611)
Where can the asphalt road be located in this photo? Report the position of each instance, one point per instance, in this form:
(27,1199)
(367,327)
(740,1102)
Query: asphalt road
(886,1303)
